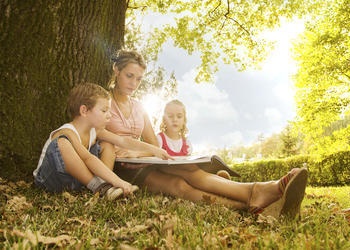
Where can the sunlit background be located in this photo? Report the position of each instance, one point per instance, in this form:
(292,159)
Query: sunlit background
(240,106)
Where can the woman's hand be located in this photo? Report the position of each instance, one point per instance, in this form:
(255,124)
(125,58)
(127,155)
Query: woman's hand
(125,153)
(161,153)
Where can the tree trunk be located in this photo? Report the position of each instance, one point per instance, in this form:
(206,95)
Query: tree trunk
(46,48)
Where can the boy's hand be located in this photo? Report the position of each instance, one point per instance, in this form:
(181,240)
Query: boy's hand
(128,188)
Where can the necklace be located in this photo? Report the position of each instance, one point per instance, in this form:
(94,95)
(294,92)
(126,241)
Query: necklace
(126,111)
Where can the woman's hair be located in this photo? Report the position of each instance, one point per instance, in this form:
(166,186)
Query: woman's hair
(184,130)
(121,59)
(84,94)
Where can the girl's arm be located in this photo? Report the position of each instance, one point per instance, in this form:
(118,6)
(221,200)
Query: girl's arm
(129,143)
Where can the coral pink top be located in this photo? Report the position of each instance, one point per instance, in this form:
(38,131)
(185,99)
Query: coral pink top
(131,126)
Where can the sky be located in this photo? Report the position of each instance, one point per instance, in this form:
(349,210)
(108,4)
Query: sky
(238,106)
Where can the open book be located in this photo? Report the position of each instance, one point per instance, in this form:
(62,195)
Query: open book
(210,164)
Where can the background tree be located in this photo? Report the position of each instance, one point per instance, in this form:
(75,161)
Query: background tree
(46,48)
(291,143)
(323,79)
(49,46)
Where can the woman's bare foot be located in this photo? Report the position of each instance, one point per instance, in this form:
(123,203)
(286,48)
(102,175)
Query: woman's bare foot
(265,193)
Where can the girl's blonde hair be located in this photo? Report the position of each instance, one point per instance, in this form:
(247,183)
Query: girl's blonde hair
(121,59)
(184,129)
(84,94)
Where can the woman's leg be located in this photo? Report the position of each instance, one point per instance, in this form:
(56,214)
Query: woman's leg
(264,192)
(159,182)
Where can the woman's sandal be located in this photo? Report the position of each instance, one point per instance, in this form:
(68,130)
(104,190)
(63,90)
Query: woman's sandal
(292,187)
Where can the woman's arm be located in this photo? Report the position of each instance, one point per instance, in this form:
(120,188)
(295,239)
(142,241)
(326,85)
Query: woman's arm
(129,143)
(148,134)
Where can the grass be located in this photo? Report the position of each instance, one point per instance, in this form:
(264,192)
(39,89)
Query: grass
(32,219)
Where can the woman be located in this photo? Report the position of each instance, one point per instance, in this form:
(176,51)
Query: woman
(188,181)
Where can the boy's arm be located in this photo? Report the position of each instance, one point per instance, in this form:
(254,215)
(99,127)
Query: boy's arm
(129,143)
(93,163)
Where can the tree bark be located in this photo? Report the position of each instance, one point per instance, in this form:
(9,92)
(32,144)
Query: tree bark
(46,48)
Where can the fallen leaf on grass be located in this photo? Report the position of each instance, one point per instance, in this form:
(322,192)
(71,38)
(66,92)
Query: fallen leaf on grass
(127,247)
(266,219)
(70,198)
(17,204)
(23,184)
(346,212)
(36,238)
(5,189)
(80,221)
(92,201)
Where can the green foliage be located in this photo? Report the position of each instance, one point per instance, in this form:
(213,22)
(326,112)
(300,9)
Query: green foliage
(156,80)
(332,170)
(323,78)
(225,30)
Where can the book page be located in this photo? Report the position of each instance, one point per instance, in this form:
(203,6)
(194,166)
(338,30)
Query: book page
(177,160)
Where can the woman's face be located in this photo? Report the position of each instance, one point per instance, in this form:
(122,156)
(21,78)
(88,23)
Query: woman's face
(129,78)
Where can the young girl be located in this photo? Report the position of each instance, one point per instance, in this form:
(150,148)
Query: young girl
(188,182)
(172,137)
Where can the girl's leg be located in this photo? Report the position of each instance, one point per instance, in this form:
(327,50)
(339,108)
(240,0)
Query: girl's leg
(159,182)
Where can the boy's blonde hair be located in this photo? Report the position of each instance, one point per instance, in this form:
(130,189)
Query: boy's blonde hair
(84,94)
(121,59)
(184,129)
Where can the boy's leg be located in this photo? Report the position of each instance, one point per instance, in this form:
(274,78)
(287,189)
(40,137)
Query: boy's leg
(107,154)
(75,166)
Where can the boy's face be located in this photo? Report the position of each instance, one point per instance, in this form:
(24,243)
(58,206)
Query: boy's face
(100,113)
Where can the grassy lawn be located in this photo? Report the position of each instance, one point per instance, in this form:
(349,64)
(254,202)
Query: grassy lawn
(31,219)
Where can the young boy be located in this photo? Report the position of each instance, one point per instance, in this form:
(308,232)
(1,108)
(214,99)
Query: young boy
(69,158)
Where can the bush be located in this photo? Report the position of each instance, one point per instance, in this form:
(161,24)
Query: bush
(332,170)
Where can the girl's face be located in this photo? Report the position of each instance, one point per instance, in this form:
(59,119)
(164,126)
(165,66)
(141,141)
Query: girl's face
(174,118)
(129,78)
(100,114)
